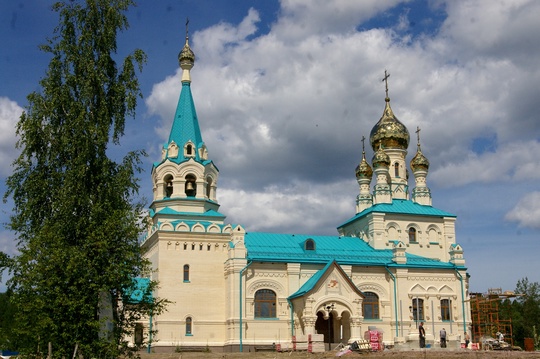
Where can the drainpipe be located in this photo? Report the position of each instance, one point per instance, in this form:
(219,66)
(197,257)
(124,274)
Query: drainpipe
(395,300)
(462,299)
(150,333)
(292,317)
(241,325)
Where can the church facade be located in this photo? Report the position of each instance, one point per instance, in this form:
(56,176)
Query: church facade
(392,265)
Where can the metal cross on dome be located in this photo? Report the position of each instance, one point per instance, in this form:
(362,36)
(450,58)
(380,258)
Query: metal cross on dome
(385,80)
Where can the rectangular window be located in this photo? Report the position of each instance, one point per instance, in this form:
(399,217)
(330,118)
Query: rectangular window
(445,309)
(418,309)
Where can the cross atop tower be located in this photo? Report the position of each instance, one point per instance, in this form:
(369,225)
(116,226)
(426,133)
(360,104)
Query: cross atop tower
(363,144)
(385,80)
(418,135)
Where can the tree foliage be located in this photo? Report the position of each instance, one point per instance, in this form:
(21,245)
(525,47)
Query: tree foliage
(75,216)
(526,310)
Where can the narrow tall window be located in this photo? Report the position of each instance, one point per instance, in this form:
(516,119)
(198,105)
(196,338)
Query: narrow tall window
(265,304)
(418,309)
(191,186)
(188,326)
(445,309)
(370,306)
(169,186)
(412,234)
(186,273)
(396,169)
(208,187)
(189,150)
(138,334)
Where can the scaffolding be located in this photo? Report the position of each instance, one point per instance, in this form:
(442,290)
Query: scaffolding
(485,315)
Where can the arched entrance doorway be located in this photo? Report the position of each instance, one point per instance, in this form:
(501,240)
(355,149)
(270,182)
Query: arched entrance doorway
(325,327)
(339,330)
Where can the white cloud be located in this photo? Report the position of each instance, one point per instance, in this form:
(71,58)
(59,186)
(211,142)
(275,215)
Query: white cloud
(299,207)
(527,211)
(303,18)
(513,162)
(10,112)
(495,29)
(291,106)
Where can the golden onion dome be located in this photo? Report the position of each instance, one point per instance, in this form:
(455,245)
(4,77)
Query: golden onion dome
(419,161)
(186,57)
(380,158)
(363,170)
(389,131)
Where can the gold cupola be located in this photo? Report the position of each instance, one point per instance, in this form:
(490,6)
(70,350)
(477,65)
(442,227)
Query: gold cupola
(380,158)
(419,161)
(186,58)
(363,170)
(389,131)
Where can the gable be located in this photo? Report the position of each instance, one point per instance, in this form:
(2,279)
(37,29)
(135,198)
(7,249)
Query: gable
(330,280)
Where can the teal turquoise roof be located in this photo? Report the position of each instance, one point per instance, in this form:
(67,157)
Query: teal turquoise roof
(311,282)
(286,248)
(185,128)
(172,212)
(186,125)
(140,292)
(400,206)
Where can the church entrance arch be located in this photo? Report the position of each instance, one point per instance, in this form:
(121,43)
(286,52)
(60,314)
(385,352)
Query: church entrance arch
(335,326)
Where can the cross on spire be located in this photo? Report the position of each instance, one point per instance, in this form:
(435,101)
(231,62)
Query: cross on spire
(363,144)
(385,80)
(187,26)
(418,135)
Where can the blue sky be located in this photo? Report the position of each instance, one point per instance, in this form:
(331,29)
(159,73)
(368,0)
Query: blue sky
(286,89)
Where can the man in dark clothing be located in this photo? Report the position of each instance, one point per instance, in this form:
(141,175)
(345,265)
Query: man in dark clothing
(442,334)
(422,333)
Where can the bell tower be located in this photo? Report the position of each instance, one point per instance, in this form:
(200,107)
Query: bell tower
(185,180)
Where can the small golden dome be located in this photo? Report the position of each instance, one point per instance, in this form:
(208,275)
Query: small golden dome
(419,162)
(363,170)
(389,131)
(186,57)
(380,158)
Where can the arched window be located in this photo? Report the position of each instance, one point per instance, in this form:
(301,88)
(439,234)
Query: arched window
(310,244)
(412,234)
(265,304)
(418,309)
(168,186)
(396,169)
(188,326)
(209,187)
(186,273)
(370,305)
(189,150)
(445,309)
(191,186)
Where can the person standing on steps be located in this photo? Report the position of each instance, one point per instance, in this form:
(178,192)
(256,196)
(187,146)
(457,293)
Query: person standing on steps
(442,335)
(422,333)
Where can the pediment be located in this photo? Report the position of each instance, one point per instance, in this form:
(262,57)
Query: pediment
(331,281)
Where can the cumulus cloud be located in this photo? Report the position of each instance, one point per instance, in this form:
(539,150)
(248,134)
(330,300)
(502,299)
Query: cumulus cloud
(10,112)
(291,105)
(296,208)
(527,211)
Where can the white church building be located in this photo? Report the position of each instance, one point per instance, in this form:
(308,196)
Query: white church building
(393,264)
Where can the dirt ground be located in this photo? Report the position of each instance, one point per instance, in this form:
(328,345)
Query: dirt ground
(427,353)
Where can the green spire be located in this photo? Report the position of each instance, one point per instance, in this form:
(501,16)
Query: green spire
(185,128)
